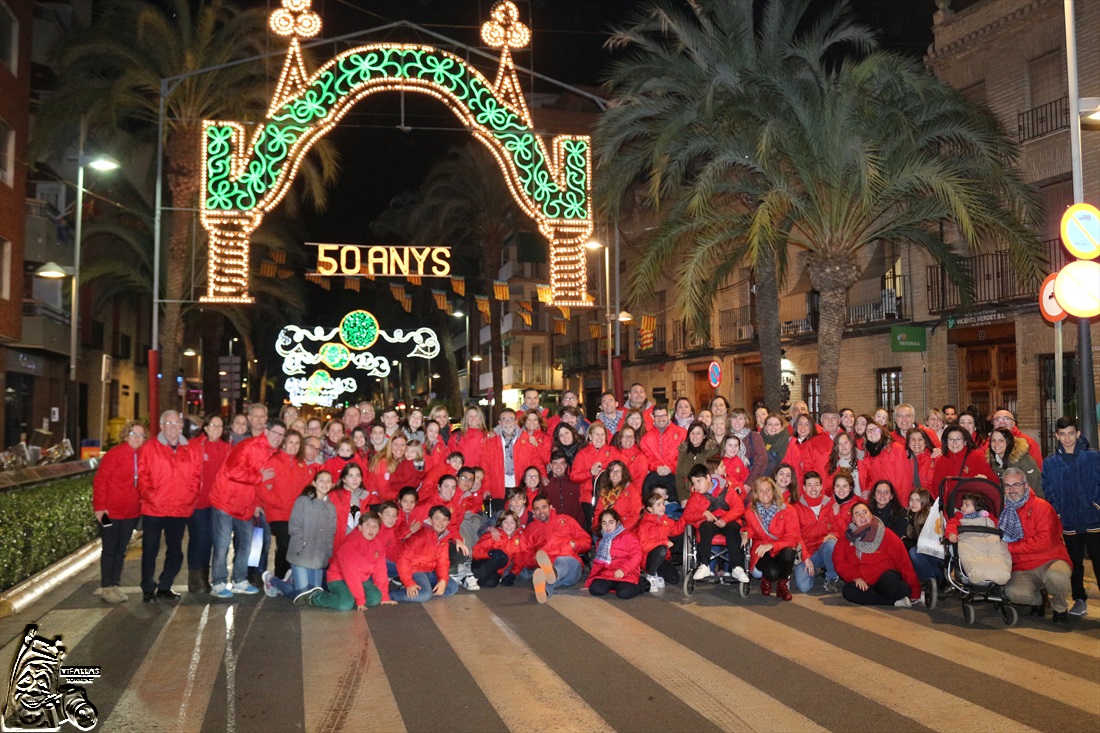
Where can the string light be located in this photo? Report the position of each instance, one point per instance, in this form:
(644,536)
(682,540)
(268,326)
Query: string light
(242,183)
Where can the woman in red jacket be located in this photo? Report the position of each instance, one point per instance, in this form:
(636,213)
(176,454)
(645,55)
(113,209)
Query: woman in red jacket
(773,528)
(435,448)
(960,458)
(117,507)
(843,455)
(919,465)
(494,552)
(200,528)
(617,561)
(627,450)
(654,533)
(844,498)
(390,471)
(883,460)
(470,436)
(278,495)
(615,490)
(874,564)
(533,446)
(591,461)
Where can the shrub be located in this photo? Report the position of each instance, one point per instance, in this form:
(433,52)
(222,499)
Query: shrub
(41,524)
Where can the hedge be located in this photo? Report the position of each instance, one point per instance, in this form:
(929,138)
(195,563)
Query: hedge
(41,524)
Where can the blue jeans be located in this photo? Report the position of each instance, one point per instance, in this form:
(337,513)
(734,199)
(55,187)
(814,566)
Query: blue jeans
(427,582)
(926,566)
(240,531)
(823,557)
(568,569)
(391,569)
(200,538)
(302,579)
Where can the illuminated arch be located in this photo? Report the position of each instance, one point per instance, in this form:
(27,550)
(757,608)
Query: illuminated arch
(241,183)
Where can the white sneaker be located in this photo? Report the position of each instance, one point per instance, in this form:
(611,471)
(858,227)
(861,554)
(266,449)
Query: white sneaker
(269,585)
(903,602)
(243,587)
(653,587)
(470,583)
(703,571)
(660,581)
(221,590)
(739,574)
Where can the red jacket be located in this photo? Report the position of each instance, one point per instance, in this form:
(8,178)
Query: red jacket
(969,464)
(930,437)
(784,531)
(840,516)
(926,466)
(389,483)
(168,480)
(404,521)
(509,545)
(358,561)
(636,461)
(424,552)
(527,454)
(626,555)
(891,555)
(115,487)
(430,480)
(278,495)
(423,508)
(335,466)
(654,530)
(341,502)
(801,458)
(814,528)
(388,537)
(628,504)
(470,445)
(492,460)
(698,504)
(214,453)
(235,488)
(587,457)
(1042,541)
(663,449)
(892,465)
(436,455)
(555,536)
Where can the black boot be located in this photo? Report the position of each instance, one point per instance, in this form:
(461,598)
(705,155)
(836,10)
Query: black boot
(206,587)
(194,581)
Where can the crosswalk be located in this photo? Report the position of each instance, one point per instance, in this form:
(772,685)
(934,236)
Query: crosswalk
(496,661)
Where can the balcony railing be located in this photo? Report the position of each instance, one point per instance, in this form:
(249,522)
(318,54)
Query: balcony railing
(577,356)
(889,306)
(797,326)
(993,276)
(658,346)
(1043,120)
(735,325)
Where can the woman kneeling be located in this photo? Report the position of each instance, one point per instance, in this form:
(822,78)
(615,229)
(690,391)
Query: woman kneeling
(618,561)
(873,563)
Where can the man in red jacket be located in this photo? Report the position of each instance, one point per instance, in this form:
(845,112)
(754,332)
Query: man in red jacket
(117,507)
(550,549)
(1039,559)
(661,446)
(233,499)
(169,473)
(424,561)
(498,459)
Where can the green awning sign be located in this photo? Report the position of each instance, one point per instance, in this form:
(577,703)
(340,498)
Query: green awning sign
(908,338)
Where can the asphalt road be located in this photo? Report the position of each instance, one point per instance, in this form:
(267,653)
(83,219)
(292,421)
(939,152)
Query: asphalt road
(497,661)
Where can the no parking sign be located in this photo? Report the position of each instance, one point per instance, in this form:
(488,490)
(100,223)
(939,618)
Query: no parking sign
(714,374)
(1081,231)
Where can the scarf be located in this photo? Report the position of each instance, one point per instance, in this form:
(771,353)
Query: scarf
(873,449)
(742,435)
(766,515)
(814,505)
(1010,520)
(776,445)
(845,500)
(603,550)
(869,538)
(916,471)
(570,452)
(611,423)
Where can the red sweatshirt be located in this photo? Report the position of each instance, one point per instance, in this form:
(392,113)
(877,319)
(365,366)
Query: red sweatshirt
(628,504)
(587,457)
(424,552)
(663,449)
(508,544)
(115,487)
(278,495)
(626,555)
(782,534)
(214,453)
(358,561)
(559,536)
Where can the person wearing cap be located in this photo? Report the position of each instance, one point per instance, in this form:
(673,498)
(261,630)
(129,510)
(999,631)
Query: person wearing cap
(1005,419)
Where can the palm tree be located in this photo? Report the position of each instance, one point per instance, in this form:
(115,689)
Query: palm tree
(681,99)
(111,72)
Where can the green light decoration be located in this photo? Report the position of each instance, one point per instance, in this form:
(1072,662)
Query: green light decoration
(336,356)
(359,330)
(240,185)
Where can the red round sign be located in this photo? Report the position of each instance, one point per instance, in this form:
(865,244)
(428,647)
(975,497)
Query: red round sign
(1048,304)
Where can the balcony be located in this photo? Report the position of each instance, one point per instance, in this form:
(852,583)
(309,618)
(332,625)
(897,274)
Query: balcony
(994,279)
(798,326)
(48,237)
(658,346)
(45,327)
(518,376)
(574,357)
(735,325)
(1043,120)
(888,306)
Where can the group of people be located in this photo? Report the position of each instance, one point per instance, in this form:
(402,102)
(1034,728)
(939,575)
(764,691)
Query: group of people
(371,508)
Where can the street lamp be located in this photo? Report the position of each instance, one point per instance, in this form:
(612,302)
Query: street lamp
(593,245)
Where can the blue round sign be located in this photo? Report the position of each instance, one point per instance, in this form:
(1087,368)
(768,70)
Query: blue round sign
(714,374)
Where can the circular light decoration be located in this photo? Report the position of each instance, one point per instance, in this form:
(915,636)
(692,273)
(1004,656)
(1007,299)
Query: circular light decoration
(1077,288)
(335,356)
(359,330)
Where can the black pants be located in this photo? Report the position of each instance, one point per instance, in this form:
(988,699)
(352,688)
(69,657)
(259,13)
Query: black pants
(589,512)
(657,564)
(622,588)
(732,533)
(173,529)
(200,539)
(885,591)
(281,532)
(115,540)
(487,572)
(1075,545)
(778,566)
(667,482)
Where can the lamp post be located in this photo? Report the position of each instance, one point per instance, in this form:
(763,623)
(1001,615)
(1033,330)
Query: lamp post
(594,245)
(399,392)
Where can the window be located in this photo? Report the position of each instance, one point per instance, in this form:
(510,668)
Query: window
(660,396)
(1046,77)
(888,388)
(7,153)
(9,37)
(811,393)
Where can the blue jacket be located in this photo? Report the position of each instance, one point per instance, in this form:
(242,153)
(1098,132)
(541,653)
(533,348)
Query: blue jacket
(1073,488)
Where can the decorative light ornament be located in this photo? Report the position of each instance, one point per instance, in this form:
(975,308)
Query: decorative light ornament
(241,183)
(359,330)
(320,389)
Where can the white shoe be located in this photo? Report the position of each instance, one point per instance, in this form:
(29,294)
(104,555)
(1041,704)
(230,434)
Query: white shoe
(660,581)
(470,583)
(739,574)
(903,602)
(653,587)
(269,585)
(703,571)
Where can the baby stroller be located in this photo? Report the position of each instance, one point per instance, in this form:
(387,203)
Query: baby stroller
(970,592)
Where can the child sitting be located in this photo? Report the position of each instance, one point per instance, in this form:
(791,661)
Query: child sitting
(985,558)
(345,453)
(494,552)
(653,533)
(710,513)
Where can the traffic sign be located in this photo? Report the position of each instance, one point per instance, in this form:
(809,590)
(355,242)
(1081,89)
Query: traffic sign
(1081,231)
(1077,288)
(714,374)
(1048,304)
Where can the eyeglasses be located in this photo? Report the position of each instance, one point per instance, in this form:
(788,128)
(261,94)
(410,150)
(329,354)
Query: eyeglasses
(955,440)
(1015,486)
(171,422)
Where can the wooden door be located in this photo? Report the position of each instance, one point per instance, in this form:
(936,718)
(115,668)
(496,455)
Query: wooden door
(704,393)
(752,388)
(990,378)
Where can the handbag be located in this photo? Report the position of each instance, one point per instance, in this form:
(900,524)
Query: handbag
(930,541)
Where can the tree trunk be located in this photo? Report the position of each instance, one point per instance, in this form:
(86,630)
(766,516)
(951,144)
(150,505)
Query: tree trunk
(447,385)
(767,330)
(831,279)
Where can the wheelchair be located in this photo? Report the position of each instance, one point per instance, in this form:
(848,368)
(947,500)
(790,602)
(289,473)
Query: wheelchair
(719,560)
